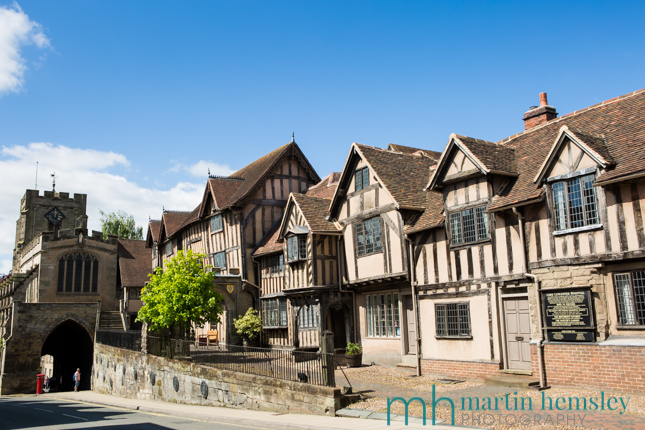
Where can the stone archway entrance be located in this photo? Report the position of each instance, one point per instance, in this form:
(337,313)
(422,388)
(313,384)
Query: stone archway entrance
(71,347)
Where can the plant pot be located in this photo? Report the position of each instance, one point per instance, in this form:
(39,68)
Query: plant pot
(354,360)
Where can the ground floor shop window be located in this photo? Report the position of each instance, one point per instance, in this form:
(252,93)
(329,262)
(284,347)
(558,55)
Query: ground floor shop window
(630,295)
(383,315)
(452,319)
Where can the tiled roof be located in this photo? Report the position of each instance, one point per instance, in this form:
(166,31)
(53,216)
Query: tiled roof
(619,121)
(172,221)
(192,217)
(433,215)
(410,150)
(314,210)
(257,170)
(269,244)
(135,261)
(403,175)
(154,229)
(494,157)
(223,189)
(326,188)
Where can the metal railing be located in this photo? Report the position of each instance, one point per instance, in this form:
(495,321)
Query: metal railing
(291,365)
(120,339)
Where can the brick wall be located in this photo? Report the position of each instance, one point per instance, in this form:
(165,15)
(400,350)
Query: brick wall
(619,368)
(460,369)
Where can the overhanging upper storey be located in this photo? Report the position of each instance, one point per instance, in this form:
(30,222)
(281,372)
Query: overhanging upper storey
(574,151)
(466,157)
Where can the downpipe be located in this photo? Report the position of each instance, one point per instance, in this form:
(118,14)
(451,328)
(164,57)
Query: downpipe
(415,311)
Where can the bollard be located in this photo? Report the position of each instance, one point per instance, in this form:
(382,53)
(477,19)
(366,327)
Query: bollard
(328,365)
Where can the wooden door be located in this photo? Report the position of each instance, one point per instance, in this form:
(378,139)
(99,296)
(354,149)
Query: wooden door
(518,333)
(337,318)
(411,329)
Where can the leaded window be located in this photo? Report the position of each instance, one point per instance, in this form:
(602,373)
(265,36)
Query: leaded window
(78,272)
(630,295)
(274,265)
(216,223)
(274,312)
(168,250)
(362,178)
(308,317)
(575,202)
(368,237)
(452,319)
(469,225)
(297,247)
(383,315)
(219,260)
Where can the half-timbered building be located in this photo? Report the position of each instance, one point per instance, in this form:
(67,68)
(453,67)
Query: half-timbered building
(379,193)
(300,270)
(236,213)
(533,260)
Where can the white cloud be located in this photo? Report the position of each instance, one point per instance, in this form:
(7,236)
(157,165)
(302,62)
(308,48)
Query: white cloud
(81,171)
(16,31)
(201,169)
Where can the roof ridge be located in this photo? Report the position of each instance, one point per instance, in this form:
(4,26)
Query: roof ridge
(574,113)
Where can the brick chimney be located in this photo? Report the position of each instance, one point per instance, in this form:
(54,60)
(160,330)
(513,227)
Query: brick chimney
(537,115)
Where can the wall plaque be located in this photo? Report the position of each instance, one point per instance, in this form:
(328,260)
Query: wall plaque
(568,315)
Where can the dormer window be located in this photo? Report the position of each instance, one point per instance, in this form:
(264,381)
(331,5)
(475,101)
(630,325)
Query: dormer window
(216,223)
(575,203)
(362,178)
(296,248)
(469,225)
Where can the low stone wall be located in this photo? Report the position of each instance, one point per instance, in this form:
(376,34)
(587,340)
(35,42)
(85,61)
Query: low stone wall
(460,369)
(135,375)
(606,367)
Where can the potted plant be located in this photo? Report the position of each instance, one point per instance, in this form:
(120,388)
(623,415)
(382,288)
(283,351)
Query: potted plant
(354,354)
(249,327)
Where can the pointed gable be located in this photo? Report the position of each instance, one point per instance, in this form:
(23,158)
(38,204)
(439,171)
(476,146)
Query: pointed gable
(254,173)
(171,222)
(572,151)
(402,175)
(154,231)
(618,123)
(465,156)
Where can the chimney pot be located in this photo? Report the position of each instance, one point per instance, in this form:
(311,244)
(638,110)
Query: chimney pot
(537,115)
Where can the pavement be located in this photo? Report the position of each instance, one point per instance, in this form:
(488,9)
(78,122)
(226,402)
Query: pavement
(260,419)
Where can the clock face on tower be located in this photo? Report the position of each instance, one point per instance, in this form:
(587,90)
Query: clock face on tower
(55,216)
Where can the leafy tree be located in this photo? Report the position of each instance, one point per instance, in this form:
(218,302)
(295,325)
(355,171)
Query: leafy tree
(181,294)
(120,224)
(249,325)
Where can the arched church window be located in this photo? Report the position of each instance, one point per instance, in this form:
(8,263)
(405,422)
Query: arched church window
(78,272)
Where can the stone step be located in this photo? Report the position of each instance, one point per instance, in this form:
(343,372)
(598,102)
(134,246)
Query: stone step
(110,320)
(516,381)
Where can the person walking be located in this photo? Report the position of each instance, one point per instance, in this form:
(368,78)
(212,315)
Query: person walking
(77,379)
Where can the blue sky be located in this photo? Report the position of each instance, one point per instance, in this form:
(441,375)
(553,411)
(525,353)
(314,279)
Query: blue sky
(132,102)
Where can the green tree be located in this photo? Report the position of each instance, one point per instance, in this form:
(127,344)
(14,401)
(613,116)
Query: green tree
(120,224)
(181,294)
(249,325)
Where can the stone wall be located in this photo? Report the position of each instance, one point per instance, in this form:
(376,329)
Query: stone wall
(135,375)
(32,325)
(607,367)
(591,275)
